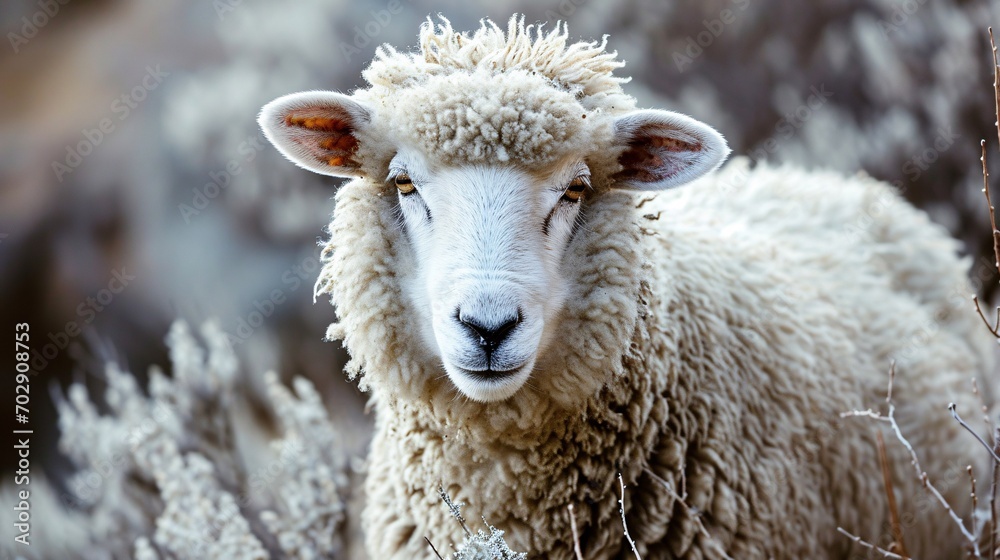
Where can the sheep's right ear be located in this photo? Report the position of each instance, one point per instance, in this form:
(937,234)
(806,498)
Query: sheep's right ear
(662,149)
(317,130)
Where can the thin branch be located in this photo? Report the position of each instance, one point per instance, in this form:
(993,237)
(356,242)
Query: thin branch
(989,204)
(436,553)
(972,493)
(897,527)
(993,329)
(621,503)
(996,103)
(995,482)
(892,378)
(993,497)
(989,448)
(982,403)
(858,540)
(986,186)
(996,83)
(890,419)
(576,535)
(455,508)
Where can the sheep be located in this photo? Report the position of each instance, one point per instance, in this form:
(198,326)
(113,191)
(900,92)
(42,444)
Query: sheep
(534,316)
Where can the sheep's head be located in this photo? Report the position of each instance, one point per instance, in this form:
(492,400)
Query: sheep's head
(490,171)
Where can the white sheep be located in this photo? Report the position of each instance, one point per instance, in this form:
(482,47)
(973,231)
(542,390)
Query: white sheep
(529,326)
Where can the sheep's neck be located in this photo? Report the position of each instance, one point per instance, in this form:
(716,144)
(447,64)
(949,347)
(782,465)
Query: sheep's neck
(504,448)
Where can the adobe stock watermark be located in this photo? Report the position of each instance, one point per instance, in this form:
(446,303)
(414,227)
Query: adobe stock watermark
(122,106)
(943,141)
(565,9)
(86,312)
(225,7)
(291,280)
(792,121)
(31,25)
(913,168)
(365,33)
(913,349)
(695,45)
(784,129)
(221,178)
(901,13)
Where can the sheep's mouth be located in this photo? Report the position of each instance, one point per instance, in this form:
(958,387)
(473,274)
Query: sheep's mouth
(490,385)
(490,375)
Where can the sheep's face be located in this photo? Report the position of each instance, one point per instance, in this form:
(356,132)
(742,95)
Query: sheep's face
(487,273)
(487,281)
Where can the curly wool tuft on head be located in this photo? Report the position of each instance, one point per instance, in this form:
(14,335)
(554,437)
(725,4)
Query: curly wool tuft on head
(582,69)
(522,95)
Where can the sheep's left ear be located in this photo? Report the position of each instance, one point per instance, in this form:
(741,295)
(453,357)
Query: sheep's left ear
(661,150)
(317,130)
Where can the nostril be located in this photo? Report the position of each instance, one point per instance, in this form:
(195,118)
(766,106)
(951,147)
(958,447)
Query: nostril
(491,334)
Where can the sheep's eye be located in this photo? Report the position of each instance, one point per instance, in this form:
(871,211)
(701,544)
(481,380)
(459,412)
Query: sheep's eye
(404,183)
(574,192)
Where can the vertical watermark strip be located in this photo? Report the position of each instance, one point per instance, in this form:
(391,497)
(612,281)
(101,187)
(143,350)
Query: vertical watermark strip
(22,435)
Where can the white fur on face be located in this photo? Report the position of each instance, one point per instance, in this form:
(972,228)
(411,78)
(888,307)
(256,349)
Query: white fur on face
(488,242)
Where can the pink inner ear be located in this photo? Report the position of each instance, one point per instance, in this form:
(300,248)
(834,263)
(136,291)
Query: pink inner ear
(652,157)
(325,133)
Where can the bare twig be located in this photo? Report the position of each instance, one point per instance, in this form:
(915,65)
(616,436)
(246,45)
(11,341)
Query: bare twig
(885,553)
(996,103)
(436,553)
(576,535)
(890,419)
(979,311)
(690,510)
(972,494)
(993,497)
(455,508)
(897,528)
(995,451)
(982,403)
(996,82)
(992,209)
(994,529)
(954,414)
(995,329)
(621,503)
(892,379)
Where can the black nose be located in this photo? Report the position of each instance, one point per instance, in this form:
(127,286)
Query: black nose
(490,337)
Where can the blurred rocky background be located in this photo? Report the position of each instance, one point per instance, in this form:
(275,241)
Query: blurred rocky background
(135,187)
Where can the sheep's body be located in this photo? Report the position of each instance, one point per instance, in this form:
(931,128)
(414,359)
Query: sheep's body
(706,350)
(775,301)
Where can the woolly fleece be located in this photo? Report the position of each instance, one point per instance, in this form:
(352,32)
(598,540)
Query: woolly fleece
(524,96)
(712,348)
